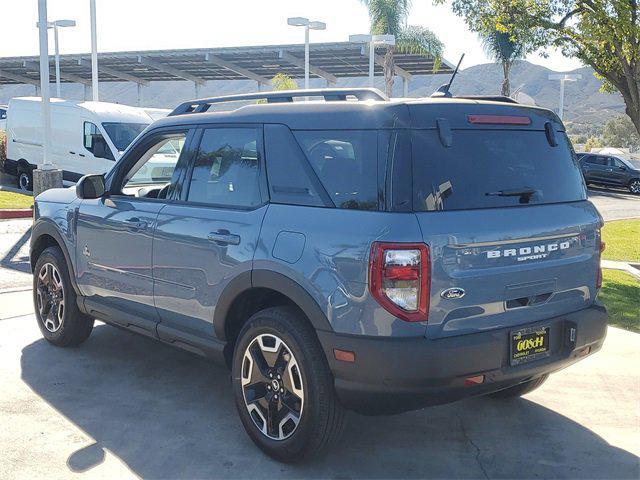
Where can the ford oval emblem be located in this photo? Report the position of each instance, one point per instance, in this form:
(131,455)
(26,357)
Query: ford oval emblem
(453,293)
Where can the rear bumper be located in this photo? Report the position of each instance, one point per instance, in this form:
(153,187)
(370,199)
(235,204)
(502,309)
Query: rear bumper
(392,375)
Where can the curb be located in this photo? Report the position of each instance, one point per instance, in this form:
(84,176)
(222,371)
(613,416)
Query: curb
(20,213)
(623,266)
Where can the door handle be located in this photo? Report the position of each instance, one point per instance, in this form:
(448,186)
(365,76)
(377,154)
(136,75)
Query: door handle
(223,237)
(135,224)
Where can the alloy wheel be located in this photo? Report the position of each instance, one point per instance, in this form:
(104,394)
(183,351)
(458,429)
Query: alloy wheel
(635,187)
(24,182)
(272,386)
(50,297)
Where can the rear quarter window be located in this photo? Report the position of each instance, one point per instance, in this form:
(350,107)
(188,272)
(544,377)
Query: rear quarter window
(483,169)
(346,162)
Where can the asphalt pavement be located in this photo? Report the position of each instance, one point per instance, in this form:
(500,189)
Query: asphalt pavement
(124,406)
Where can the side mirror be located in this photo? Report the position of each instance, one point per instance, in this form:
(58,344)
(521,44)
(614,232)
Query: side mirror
(90,186)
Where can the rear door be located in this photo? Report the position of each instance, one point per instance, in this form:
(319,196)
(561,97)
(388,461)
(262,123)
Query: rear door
(209,236)
(505,215)
(617,171)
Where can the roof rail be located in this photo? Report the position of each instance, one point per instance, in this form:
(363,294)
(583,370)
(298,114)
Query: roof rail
(490,98)
(283,96)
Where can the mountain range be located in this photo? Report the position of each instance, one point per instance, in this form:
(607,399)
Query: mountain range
(584,104)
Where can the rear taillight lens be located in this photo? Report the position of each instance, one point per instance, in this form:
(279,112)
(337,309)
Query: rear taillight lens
(601,248)
(399,279)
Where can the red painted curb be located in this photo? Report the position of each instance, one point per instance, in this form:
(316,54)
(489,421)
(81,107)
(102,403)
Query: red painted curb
(22,213)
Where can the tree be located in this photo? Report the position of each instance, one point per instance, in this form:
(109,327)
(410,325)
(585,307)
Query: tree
(592,142)
(604,34)
(389,17)
(619,132)
(504,50)
(282,81)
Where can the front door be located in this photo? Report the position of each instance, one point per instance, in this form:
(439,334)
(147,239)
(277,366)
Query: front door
(115,235)
(209,237)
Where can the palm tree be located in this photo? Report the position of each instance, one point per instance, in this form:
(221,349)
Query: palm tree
(389,17)
(504,49)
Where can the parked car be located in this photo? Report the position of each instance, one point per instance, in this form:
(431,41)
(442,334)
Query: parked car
(610,171)
(374,255)
(86,137)
(3,117)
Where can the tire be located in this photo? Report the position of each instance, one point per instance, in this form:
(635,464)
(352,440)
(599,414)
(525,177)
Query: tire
(54,299)
(520,389)
(309,426)
(25,178)
(634,186)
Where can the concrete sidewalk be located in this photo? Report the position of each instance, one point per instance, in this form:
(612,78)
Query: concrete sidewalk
(123,406)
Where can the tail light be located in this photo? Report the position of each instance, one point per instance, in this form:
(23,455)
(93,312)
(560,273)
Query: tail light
(601,248)
(400,279)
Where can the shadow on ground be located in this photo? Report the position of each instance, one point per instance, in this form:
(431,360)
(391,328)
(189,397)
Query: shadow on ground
(611,192)
(13,260)
(169,414)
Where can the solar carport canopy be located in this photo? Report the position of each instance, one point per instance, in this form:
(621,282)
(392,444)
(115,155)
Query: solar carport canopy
(327,60)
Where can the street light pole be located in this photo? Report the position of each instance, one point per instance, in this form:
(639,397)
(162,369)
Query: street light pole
(306,57)
(44,83)
(308,25)
(57,51)
(373,40)
(94,52)
(372,54)
(563,77)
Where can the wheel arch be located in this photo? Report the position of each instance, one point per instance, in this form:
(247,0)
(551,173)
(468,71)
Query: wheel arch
(43,236)
(256,290)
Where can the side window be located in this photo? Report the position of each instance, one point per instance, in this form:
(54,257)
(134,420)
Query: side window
(617,163)
(291,178)
(346,161)
(95,142)
(154,169)
(227,168)
(3,114)
(601,161)
(591,159)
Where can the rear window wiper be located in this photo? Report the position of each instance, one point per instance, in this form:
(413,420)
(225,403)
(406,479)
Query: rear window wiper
(516,192)
(524,193)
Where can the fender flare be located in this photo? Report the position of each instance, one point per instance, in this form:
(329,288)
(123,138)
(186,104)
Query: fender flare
(46,227)
(273,281)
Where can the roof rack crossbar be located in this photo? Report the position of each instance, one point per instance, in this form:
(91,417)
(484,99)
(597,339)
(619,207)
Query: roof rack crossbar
(283,96)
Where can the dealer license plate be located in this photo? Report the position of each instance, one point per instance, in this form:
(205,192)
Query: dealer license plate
(529,344)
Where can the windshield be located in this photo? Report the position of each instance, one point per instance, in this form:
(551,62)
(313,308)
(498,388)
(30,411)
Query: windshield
(122,134)
(634,164)
(493,169)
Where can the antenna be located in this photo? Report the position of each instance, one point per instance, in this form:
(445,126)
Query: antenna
(443,90)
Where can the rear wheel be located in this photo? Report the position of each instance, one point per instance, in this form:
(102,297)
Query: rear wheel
(634,186)
(283,386)
(25,178)
(520,389)
(57,313)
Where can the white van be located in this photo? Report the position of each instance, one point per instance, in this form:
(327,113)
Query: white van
(86,137)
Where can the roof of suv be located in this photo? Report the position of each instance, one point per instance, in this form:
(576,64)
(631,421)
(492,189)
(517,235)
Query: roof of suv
(368,114)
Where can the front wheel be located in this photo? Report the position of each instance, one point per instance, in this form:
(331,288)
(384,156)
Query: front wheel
(59,318)
(283,387)
(634,187)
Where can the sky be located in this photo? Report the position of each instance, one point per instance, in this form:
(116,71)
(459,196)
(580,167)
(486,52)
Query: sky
(168,24)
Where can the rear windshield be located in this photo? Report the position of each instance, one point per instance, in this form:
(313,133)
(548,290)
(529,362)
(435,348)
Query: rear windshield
(492,169)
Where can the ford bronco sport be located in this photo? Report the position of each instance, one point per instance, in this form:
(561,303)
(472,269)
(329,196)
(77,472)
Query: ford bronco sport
(352,253)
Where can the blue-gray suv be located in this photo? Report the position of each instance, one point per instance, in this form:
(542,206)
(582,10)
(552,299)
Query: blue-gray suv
(353,252)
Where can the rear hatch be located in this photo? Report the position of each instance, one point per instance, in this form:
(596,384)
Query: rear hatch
(502,205)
